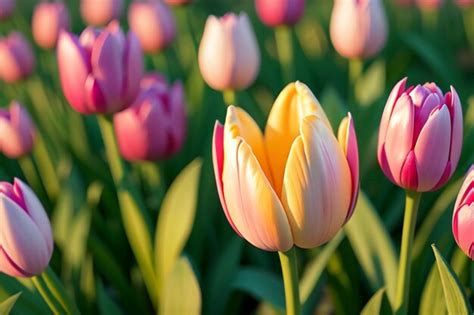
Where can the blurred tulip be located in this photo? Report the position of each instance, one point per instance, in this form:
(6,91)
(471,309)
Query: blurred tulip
(17,130)
(429,4)
(229,57)
(279,12)
(463,216)
(100,71)
(101,12)
(178,2)
(420,136)
(6,8)
(26,242)
(16,58)
(358,28)
(465,3)
(154,127)
(297,184)
(48,20)
(153,23)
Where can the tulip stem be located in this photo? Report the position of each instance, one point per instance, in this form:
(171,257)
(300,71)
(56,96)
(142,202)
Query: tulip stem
(429,18)
(290,280)
(356,66)
(468,18)
(229,97)
(404,268)
(284,44)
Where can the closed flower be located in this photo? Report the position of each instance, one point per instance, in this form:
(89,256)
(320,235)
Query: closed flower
(101,12)
(17,130)
(48,20)
(16,58)
(463,216)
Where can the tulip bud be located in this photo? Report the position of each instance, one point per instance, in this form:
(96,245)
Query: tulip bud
(463,216)
(178,2)
(229,57)
(295,185)
(100,71)
(429,4)
(420,136)
(17,130)
(358,28)
(279,12)
(153,23)
(6,8)
(16,58)
(48,20)
(154,127)
(101,12)
(26,242)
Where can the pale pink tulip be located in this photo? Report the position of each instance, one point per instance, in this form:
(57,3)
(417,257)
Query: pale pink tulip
(48,20)
(6,8)
(26,242)
(154,127)
(463,216)
(358,28)
(17,130)
(17,60)
(100,71)
(229,57)
(420,136)
(429,4)
(279,12)
(101,12)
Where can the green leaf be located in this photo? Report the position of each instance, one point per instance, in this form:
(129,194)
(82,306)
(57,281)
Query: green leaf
(378,304)
(106,305)
(371,85)
(7,305)
(181,294)
(456,301)
(176,219)
(373,247)
(432,299)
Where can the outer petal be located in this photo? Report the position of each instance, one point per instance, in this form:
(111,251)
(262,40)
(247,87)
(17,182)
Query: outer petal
(94,97)
(467,186)
(409,174)
(317,185)
(432,148)
(463,224)
(346,29)
(457,129)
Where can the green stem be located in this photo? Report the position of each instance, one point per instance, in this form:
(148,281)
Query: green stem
(229,97)
(472,277)
(404,268)
(46,295)
(290,280)
(468,18)
(284,43)
(356,67)
(429,19)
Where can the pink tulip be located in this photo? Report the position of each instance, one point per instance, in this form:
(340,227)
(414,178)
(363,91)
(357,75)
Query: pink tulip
(358,28)
(465,3)
(16,58)
(48,20)
(229,57)
(178,2)
(101,12)
(17,130)
(420,136)
(429,4)
(100,71)
(6,8)
(279,12)
(153,23)
(154,127)
(463,216)
(26,242)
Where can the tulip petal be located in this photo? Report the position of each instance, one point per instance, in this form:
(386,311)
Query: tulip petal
(133,68)
(467,186)
(409,175)
(457,127)
(94,97)
(463,225)
(8,266)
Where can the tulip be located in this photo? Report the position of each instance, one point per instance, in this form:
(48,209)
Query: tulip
(6,8)
(279,12)
(154,127)
(48,20)
(296,184)
(153,23)
(17,130)
(26,242)
(101,12)
(178,2)
(229,57)
(429,4)
(463,216)
(16,58)
(100,71)
(418,124)
(465,3)
(358,28)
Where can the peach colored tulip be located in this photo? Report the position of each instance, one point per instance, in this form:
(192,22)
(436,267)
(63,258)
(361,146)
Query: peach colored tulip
(17,130)
(100,71)
(463,216)
(154,127)
(16,58)
(296,184)
(178,2)
(418,124)
(26,242)
(153,23)
(6,8)
(429,4)
(229,57)
(279,12)
(358,28)
(48,20)
(101,12)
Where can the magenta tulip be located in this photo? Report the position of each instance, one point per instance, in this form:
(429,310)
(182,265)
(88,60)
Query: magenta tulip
(17,130)
(101,12)
(26,242)
(100,71)
(154,127)
(153,23)
(463,216)
(420,136)
(279,12)
(178,2)
(429,4)
(16,58)
(48,20)
(6,8)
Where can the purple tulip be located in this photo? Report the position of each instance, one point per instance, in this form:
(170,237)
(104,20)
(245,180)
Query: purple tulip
(16,58)
(17,130)
(6,8)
